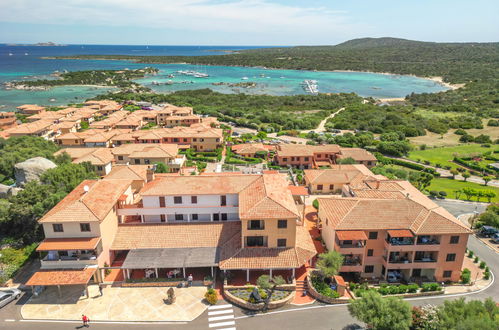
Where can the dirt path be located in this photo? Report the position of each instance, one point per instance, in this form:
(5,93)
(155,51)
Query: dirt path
(322,125)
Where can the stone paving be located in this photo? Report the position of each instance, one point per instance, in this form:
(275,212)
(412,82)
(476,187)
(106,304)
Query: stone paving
(116,304)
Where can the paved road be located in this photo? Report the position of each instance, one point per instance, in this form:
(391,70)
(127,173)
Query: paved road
(315,316)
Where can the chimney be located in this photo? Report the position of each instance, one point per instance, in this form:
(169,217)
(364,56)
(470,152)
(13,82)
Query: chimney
(150,173)
(377,184)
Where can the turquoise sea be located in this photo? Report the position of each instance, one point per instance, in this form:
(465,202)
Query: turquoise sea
(24,62)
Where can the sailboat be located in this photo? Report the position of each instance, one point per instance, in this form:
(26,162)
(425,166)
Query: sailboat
(10,54)
(26,54)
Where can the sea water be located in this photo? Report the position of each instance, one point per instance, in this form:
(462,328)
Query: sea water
(26,63)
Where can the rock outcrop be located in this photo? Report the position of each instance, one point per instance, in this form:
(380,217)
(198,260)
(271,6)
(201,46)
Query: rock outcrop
(7,191)
(31,169)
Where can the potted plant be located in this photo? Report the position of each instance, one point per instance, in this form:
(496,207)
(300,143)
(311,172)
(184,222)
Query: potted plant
(208,280)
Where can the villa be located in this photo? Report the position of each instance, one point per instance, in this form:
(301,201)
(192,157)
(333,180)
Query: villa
(7,120)
(30,109)
(145,154)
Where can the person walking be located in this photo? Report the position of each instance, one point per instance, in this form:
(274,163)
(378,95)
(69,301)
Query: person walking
(85,320)
(100,289)
(189,280)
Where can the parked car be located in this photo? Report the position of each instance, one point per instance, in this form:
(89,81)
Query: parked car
(495,238)
(393,277)
(488,231)
(6,296)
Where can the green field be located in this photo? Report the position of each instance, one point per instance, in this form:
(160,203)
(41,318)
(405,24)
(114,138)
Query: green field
(444,156)
(450,186)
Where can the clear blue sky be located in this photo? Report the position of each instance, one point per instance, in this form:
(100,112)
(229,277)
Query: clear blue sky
(245,22)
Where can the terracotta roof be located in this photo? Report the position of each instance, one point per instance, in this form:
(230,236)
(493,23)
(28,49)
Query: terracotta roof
(62,277)
(128,172)
(357,154)
(188,235)
(340,174)
(298,190)
(30,107)
(75,153)
(100,137)
(251,148)
(100,156)
(267,197)
(400,233)
(74,243)
(348,235)
(94,205)
(294,150)
(236,257)
(141,150)
(31,128)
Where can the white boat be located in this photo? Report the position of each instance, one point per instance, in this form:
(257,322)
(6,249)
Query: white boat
(26,54)
(244,78)
(10,54)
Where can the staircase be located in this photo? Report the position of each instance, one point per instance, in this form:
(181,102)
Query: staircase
(301,287)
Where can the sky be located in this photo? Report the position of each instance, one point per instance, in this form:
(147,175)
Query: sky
(245,22)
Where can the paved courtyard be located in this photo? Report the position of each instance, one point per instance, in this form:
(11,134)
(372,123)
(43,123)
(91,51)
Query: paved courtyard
(116,304)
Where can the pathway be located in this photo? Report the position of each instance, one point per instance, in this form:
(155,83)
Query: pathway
(447,173)
(322,125)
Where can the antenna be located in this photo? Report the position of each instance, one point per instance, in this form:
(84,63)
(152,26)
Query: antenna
(86,189)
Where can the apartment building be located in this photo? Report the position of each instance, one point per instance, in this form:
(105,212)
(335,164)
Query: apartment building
(100,158)
(388,229)
(7,120)
(79,232)
(41,128)
(145,154)
(359,155)
(250,149)
(332,180)
(30,109)
(104,107)
(162,222)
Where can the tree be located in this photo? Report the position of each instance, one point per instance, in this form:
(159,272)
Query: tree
(479,194)
(466,175)
(269,284)
(458,193)
(329,263)
(490,194)
(161,168)
(261,135)
(454,172)
(487,179)
(348,160)
(462,315)
(469,192)
(389,313)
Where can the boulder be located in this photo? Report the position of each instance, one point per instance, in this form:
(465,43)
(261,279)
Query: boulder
(31,169)
(14,191)
(4,191)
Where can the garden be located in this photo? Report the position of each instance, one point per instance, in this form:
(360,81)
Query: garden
(392,289)
(246,294)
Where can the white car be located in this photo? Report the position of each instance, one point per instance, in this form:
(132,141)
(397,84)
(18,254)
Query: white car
(6,296)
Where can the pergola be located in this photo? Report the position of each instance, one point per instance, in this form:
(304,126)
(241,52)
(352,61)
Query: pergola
(171,258)
(62,277)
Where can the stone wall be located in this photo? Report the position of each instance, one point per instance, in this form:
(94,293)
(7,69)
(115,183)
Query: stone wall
(323,298)
(255,307)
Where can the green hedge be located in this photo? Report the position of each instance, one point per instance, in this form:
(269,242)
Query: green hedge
(474,166)
(14,259)
(400,162)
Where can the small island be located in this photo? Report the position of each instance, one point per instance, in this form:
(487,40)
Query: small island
(122,79)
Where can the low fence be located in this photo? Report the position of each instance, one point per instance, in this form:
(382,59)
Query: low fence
(255,307)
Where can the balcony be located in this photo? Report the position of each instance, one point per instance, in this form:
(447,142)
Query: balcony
(51,262)
(429,259)
(428,240)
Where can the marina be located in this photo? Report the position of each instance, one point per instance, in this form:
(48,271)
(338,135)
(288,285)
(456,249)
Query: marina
(310,86)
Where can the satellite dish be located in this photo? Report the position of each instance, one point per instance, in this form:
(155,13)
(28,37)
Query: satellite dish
(86,188)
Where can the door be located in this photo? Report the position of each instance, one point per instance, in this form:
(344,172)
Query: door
(416,272)
(223,200)
(216,217)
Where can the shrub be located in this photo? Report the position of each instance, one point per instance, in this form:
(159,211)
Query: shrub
(466,276)
(431,287)
(412,288)
(442,194)
(433,193)
(482,265)
(476,259)
(486,275)
(470,254)
(315,204)
(211,296)
(384,291)
(403,288)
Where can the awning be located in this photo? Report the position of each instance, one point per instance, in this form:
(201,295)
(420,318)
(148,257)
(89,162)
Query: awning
(298,190)
(62,277)
(171,258)
(75,243)
(351,235)
(400,233)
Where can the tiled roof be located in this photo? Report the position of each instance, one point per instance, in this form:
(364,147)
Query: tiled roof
(31,128)
(338,174)
(351,235)
(73,243)
(357,154)
(128,172)
(62,277)
(250,148)
(267,197)
(235,257)
(94,205)
(299,150)
(188,235)
(141,150)
(100,156)
(198,185)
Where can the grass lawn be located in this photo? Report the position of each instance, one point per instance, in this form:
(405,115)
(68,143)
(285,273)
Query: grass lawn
(449,186)
(444,155)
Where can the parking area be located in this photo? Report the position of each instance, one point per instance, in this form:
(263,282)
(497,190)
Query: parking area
(116,304)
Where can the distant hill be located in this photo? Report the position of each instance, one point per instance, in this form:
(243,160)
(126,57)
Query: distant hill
(380,42)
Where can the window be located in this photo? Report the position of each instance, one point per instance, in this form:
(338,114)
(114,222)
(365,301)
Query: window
(454,239)
(370,252)
(282,223)
(120,157)
(447,273)
(451,257)
(369,269)
(306,159)
(216,217)
(331,187)
(194,199)
(255,241)
(58,228)
(175,139)
(369,163)
(256,225)
(177,200)
(147,161)
(284,159)
(84,227)
(162,202)
(373,235)
(224,216)
(162,218)
(195,217)
(99,168)
(223,200)
(319,187)
(179,217)
(281,242)
(185,140)
(136,161)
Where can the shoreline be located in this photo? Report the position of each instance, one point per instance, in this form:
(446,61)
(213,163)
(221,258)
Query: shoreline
(438,79)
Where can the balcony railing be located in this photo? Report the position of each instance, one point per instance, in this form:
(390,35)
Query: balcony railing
(395,241)
(428,259)
(399,261)
(71,258)
(427,241)
(353,245)
(352,262)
